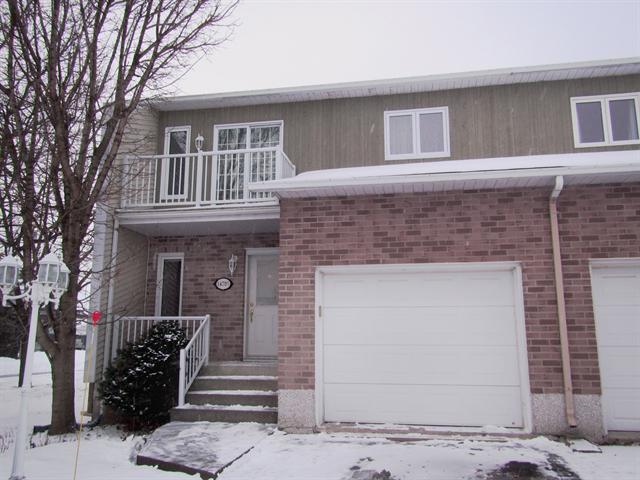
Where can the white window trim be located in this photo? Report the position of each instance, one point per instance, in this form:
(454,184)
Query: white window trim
(416,154)
(159,274)
(164,178)
(606,118)
(247,125)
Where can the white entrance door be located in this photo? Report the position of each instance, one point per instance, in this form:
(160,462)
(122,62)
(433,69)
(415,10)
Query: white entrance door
(414,345)
(262,305)
(616,304)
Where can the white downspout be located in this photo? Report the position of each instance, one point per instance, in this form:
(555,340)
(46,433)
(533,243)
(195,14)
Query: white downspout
(562,311)
(106,356)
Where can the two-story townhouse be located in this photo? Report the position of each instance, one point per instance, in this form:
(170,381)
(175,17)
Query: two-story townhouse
(454,251)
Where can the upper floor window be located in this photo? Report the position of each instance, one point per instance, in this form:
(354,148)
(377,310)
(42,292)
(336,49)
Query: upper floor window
(252,136)
(606,120)
(413,134)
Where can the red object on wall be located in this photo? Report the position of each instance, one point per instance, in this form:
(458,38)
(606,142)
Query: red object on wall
(95,317)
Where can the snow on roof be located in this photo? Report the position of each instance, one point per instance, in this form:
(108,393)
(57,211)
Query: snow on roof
(448,81)
(591,159)
(484,172)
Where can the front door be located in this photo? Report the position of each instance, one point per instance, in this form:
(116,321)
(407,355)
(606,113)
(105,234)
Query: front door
(262,305)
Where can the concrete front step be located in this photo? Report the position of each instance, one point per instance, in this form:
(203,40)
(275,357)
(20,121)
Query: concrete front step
(222,413)
(235,382)
(240,368)
(233,397)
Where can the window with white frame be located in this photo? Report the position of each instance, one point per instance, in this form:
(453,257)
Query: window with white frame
(415,134)
(606,120)
(247,153)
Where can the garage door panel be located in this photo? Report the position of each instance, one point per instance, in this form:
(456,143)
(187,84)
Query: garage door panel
(616,298)
(616,286)
(625,409)
(444,365)
(623,327)
(420,325)
(419,289)
(622,366)
(424,404)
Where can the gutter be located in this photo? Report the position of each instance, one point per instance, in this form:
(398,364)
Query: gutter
(562,312)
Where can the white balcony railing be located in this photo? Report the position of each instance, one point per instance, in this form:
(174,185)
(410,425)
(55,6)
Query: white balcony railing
(192,357)
(203,178)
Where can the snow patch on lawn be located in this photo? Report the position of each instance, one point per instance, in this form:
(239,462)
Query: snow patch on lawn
(104,453)
(39,397)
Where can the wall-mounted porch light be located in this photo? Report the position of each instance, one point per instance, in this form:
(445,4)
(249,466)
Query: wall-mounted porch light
(199,142)
(233,263)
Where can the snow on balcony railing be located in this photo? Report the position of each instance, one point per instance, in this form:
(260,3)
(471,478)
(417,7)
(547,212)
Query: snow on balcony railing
(203,178)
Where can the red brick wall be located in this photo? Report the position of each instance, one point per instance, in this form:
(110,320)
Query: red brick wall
(471,226)
(205,259)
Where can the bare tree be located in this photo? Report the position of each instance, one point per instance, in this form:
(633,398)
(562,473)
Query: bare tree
(72,73)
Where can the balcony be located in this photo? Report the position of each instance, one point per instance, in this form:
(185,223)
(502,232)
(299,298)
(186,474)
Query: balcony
(203,179)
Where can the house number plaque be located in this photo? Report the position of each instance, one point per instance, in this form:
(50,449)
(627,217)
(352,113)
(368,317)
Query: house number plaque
(223,283)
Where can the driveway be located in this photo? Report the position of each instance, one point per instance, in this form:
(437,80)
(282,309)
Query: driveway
(253,451)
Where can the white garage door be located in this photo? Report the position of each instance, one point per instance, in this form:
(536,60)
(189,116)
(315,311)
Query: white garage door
(616,300)
(422,346)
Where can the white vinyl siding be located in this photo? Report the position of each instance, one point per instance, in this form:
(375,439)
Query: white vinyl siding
(606,120)
(405,345)
(416,134)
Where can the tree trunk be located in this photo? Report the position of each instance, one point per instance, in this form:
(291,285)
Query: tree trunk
(63,418)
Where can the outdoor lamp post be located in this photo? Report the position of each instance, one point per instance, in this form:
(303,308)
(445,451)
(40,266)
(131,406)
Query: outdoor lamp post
(51,282)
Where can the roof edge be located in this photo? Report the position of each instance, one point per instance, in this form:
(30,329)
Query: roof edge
(249,97)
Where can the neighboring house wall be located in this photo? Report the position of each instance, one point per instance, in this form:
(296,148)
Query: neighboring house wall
(472,226)
(206,258)
(504,120)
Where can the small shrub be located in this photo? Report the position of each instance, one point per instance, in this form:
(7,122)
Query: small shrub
(142,383)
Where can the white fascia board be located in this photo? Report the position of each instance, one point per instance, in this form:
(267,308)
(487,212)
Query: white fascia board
(196,215)
(623,162)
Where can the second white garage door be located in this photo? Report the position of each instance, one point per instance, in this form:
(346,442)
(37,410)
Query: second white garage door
(422,345)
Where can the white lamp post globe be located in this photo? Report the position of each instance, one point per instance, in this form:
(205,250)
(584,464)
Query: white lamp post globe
(10,267)
(63,278)
(49,270)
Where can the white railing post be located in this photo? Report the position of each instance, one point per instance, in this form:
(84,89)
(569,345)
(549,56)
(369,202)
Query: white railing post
(214,178)
(182,378)
(279,164)
(207,339)
(247,176)
(199,178)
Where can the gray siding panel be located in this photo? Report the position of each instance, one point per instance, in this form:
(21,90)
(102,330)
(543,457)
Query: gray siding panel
(505,120)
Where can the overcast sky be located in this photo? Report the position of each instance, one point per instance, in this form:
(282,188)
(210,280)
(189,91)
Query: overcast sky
(279,43)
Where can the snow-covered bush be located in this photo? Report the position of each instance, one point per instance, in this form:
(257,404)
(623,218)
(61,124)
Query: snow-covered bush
(142,382)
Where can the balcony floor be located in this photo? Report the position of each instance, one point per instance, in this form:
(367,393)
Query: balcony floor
(258,218)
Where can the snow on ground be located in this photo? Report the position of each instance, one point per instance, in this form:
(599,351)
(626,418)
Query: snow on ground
(40,395)
(104,454)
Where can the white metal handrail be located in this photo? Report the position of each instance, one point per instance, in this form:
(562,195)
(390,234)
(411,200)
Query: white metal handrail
(203,178)
(193,357)
(130,329)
